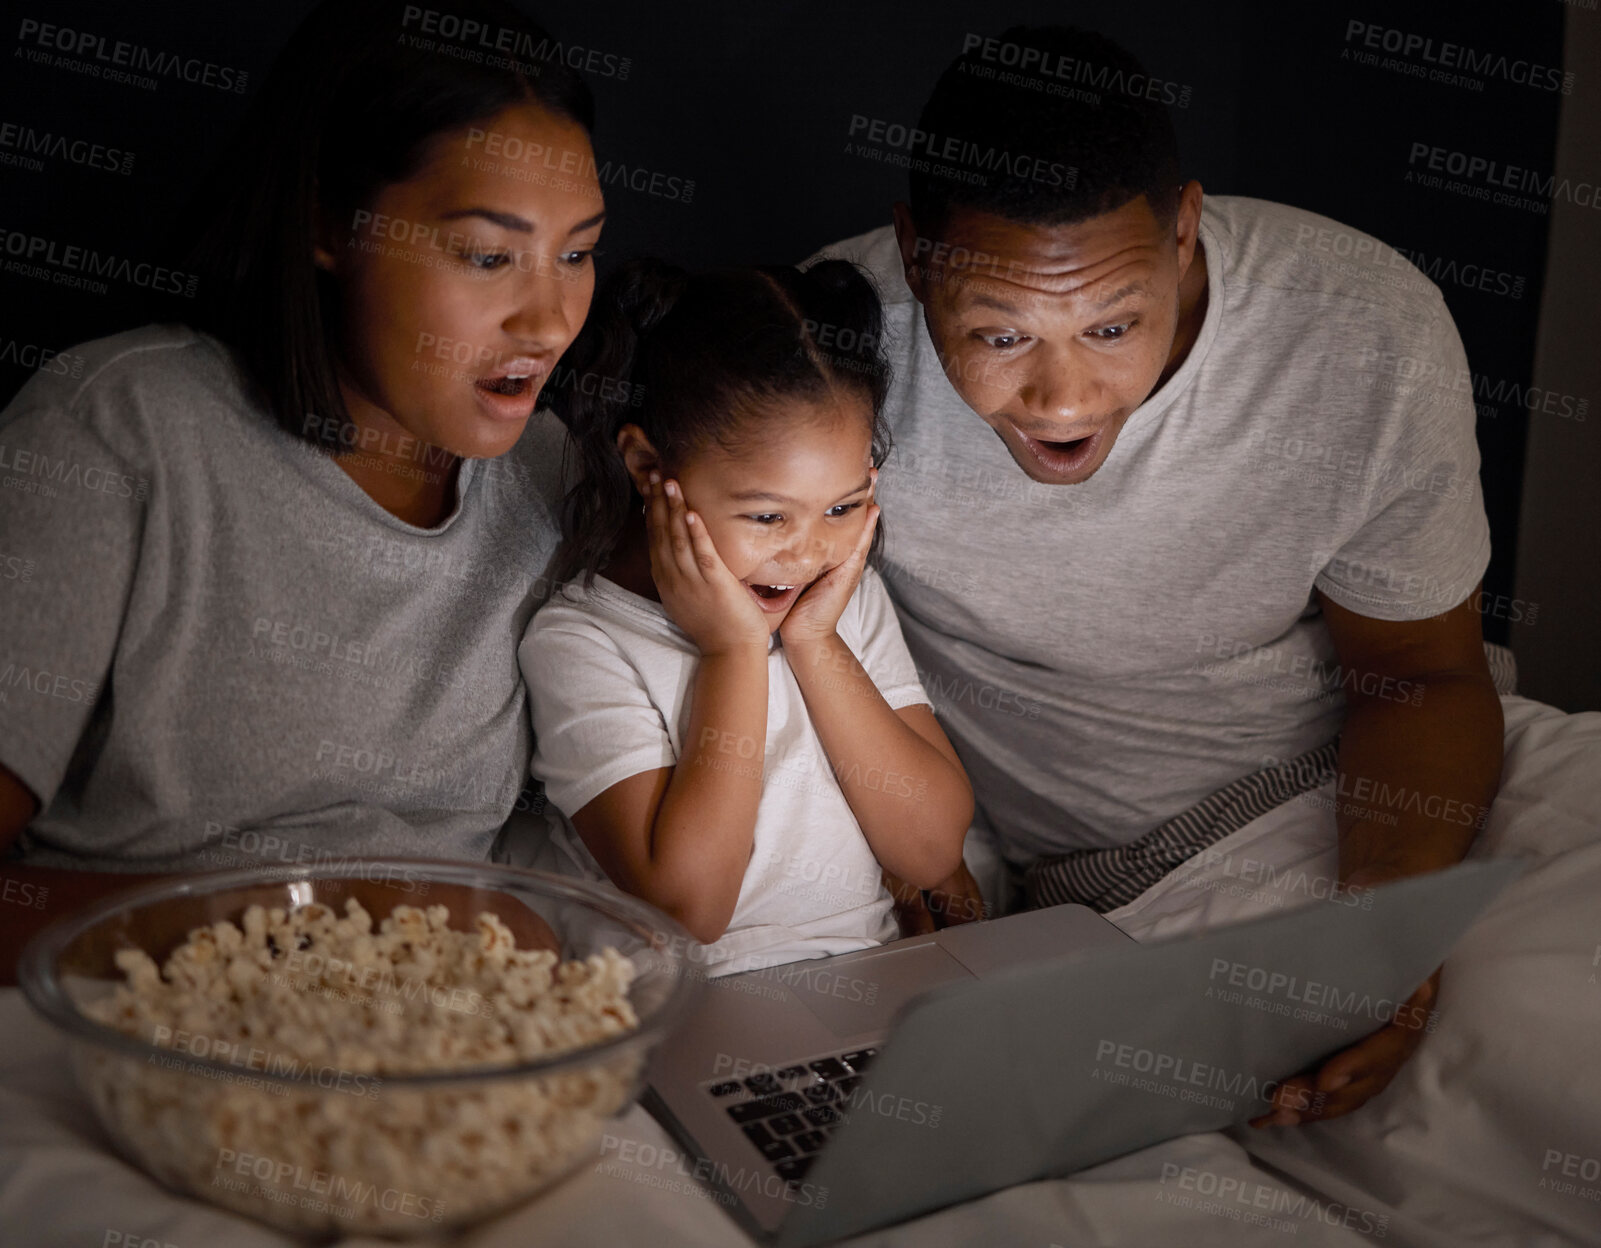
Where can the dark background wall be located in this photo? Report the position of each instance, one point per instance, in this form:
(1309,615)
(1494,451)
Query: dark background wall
(753,103)
(1559,541)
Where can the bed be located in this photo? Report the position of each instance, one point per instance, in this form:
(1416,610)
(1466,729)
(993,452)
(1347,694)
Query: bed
(1490,1136)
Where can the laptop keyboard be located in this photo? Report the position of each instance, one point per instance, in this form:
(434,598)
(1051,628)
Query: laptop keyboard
(789,1114)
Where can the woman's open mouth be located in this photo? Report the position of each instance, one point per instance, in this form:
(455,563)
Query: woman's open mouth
(510,393)
(774,599)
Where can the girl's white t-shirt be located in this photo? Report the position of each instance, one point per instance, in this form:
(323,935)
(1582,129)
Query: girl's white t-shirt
(609,679)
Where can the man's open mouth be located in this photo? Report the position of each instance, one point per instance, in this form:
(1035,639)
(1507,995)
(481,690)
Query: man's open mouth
(1066,457)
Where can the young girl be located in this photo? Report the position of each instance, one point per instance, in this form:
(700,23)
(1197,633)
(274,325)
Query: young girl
(728,716)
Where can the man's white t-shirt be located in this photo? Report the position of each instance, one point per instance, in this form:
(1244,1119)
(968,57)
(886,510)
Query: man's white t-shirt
(1104,655)
(609,678)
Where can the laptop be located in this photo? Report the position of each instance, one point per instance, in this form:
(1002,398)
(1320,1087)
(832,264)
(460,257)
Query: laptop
(836,1095)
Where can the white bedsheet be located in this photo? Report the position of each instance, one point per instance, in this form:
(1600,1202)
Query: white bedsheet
(1458,1151)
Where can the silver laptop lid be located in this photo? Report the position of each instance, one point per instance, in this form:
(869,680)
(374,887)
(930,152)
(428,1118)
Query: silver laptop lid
(1067,1063)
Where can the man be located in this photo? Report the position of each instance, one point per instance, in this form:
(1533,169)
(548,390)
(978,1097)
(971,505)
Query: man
(1170,499)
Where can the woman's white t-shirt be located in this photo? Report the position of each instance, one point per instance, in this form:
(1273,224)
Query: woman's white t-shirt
(609,678)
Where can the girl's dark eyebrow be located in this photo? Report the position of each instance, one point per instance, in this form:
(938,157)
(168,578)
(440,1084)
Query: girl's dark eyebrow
(509,221)
(747,496)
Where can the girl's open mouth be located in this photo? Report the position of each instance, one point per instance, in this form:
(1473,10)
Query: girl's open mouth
(774,599)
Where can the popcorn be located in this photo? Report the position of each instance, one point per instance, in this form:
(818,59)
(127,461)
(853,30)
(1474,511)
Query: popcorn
(344,1005)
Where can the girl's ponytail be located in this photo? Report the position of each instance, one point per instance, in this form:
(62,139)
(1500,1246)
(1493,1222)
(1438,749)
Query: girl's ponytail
(600,388)
(845,320)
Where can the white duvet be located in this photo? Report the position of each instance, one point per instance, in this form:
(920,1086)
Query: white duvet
(1490,1136)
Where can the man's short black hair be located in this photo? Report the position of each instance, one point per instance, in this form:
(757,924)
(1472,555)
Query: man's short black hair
(1047,125)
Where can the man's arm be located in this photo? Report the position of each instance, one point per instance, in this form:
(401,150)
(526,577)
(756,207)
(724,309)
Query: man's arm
(1420,757)
(1420,762)
(31,897)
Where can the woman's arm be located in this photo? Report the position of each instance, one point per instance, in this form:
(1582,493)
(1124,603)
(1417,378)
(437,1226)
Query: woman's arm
(898,771)
(681,837)
(31,897)
(66,612)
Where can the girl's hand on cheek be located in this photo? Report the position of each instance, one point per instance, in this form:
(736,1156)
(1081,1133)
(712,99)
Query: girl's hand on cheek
(816,612)
(697,590)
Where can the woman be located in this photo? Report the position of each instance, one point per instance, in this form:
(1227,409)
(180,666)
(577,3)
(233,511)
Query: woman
(280,559)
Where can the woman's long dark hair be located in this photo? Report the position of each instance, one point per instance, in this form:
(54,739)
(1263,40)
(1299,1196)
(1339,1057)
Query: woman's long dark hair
(698,360)
(349,107)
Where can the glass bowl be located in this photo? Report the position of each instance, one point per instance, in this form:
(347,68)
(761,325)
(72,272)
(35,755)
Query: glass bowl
(330,1147)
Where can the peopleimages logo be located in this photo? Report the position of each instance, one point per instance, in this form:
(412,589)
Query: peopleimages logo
(1455,56)
(965,156)
(1182,1078)
(45,360)
(1509,183)
(240,1055)
(1254,1204)
(71,264)
(28,144)
(1414,372)
(324,1190)
(1108,78)
(1319,996)
(1371,258)
(510,153)
(116,60)
(496,45)
(628,1158)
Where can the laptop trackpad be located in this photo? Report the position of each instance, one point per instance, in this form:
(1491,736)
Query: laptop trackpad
(863,994)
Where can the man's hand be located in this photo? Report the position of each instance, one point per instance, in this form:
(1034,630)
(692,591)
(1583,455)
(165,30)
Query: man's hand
(1420,761)
(1354,1076)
